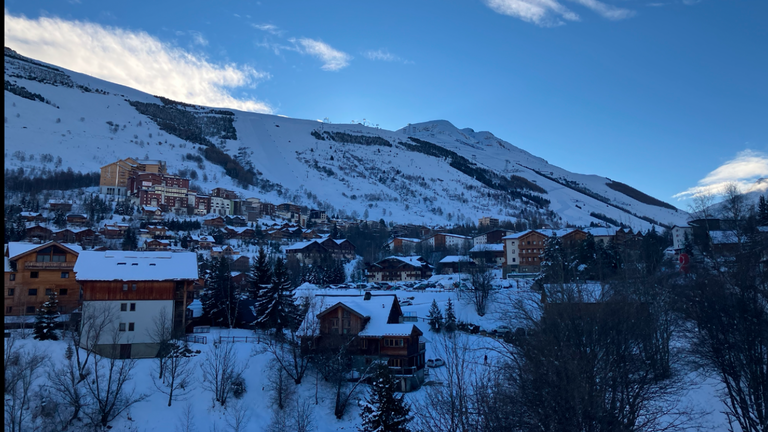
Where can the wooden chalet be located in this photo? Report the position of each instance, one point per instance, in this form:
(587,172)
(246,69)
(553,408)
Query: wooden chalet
(59,205)
(136,287)
(78,220)
(34,271)
(375,331)
(488,254)
(157,231)
(151,213)
(340,249)
(226,250)
(39,232)
(242,264)
(65,235)
(157,245)
(217,221)
(456,264)
(395,268)
(32,217)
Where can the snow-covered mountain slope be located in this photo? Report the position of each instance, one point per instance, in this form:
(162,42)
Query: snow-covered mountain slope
(431,173)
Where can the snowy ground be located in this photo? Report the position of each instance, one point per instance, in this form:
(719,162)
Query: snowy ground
(153,414)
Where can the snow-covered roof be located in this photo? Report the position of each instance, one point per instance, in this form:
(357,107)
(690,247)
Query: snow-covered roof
(406,239)
(19,248)
(204,238)
(128,265)
(455,259)
(601,231)
(150,208)
(517,235)
(30,214)
(377,310)
(493,247)
(413,260)
(300,245)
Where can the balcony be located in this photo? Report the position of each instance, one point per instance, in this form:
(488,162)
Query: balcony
(32,265)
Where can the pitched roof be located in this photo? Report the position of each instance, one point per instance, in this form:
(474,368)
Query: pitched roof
(16,249)
(377,310)
(128,265)
(455,259)
(493,247)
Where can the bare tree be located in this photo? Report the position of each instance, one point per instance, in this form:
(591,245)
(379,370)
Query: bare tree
(23,370)
(238,416)
(220,369)
(178,379)
(161,333)
(107,382)
(95,321)
(186,420)
(481,279)
(282,390)
(334,361)
(66,387)
(303,416)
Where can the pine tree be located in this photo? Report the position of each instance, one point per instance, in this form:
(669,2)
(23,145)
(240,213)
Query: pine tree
(383,410)
(261,275)
(762,211)
(276,306)
(435,317)
(130,240)
(220,296)
(45,321)
(553,262)
(450,317)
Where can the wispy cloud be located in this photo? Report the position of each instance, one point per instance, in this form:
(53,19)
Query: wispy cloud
(269,28)
(197,37)
(548,13)
(135,59)
(383,55)
(744,169)
(332,59)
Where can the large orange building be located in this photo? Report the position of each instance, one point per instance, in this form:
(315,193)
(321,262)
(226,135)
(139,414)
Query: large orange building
(114,177)
(34,271)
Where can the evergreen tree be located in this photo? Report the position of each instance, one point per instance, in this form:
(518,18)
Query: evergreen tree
(130,240)
(45,321)
(60,219)
(276,306)
(435,317)
(762,211)
(450,317)
(220,296)
(553,262)
(334,231)
(383,410)
(260,276)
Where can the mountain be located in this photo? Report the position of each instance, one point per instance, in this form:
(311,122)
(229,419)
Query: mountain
(431,173)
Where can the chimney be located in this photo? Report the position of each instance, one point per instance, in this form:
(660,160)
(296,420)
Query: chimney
(367,295)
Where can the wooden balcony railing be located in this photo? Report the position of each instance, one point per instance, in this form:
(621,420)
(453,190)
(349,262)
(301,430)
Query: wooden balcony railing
(32,265)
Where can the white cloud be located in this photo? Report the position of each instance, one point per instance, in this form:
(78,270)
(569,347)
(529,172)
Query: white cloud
(383,55)
(747,167)
(269,28)
(552,12)
(134,59)
(332,59)
(605,10)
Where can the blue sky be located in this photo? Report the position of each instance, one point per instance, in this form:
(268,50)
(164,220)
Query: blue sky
(669,96)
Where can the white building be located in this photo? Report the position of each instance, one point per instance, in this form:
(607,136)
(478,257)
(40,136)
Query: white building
(678,236)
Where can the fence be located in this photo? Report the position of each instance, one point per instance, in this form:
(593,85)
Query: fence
(201,329)
(197,339)
(239,339)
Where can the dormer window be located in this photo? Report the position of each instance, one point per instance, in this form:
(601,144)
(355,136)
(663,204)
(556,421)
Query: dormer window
(120,263)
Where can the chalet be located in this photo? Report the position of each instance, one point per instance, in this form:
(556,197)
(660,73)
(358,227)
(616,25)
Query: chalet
(157,245)
(32,217)
(112,232)
(34,271)
(59,205)
(226,250)
(85,236)
(77,219)
(39,232)
(144,233)
(151,213)
(309,234)
(522,252)
(204,242)
(241,233)
(216,221)
(602,235)
(488,254)
(317,216)
(309,252)
(403,245)
(236,221)
(65,235)
(157,231)
(135,287)
(394,268)
(487,221)
(375,331)
(456,264)
(340,249)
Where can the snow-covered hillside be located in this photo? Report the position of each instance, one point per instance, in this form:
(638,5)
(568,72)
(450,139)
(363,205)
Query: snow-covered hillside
(431,173)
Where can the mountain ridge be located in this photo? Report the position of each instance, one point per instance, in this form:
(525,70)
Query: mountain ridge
(431,172)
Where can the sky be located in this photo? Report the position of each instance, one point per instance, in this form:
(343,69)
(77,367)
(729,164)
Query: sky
(669,96)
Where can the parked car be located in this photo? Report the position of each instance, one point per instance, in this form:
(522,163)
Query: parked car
(406,302)
(437,362)
(502,330)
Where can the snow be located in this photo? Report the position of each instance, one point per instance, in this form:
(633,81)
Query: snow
(455,259)
(494,247)
(125,265)
(19,248)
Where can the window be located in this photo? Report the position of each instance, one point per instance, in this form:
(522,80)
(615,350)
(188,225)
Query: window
(8,309)
(133,307)
(365,344)
(122,327)
(513,259)
(65,275)
(13,276)
(63,291)
(393,342)
(48,291)
(34,275)
(33,291)
(125,287)
(130,326)
(30,309)
(59,258)
(123,307)
(43,258)
(11,291)
(133,287)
